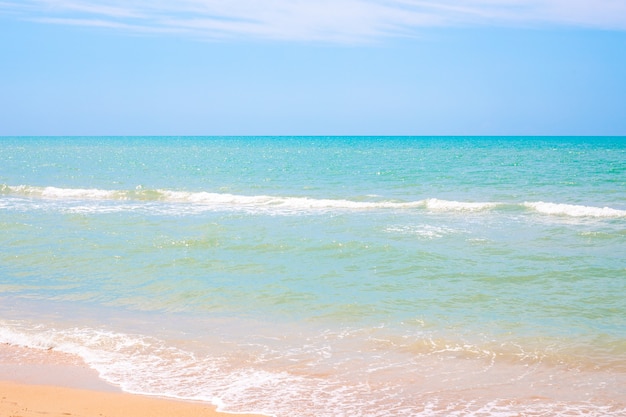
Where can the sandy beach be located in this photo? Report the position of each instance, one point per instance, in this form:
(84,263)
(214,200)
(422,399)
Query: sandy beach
(22,400)
(35,382)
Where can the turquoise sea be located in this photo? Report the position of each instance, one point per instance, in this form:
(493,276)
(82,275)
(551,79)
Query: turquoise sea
(325,276)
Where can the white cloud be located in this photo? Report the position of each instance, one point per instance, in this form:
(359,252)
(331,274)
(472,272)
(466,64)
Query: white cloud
(316,20)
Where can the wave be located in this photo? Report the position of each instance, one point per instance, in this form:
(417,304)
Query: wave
(447,205)
(203,200)
(573,210)
(151,366)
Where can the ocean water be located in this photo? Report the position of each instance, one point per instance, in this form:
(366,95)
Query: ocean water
(325,276)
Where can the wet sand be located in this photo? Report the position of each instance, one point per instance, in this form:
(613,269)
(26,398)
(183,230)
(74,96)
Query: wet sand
(36,383)
(21,400)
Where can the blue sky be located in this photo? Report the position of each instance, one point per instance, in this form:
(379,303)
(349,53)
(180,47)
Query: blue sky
(312,67)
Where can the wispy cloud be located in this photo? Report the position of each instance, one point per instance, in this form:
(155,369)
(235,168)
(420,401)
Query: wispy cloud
(315,20)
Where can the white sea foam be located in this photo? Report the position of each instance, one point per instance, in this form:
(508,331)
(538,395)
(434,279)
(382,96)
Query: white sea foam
(425,231)
(202,201)
(225,200)
(209,200)
(62,193)
(78,193)
(282,202)
(446,205)
(147,365)
(573,210)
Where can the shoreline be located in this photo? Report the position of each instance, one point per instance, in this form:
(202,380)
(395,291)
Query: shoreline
(24,400)
(37,381)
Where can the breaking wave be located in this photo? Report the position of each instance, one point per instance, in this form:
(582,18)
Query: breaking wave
(573,210)
(151,366)
(203,200)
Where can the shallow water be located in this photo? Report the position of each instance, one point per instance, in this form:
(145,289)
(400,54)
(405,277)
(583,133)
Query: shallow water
(325,276)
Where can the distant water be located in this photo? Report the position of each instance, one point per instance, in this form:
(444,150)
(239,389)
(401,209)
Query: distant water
(326,276)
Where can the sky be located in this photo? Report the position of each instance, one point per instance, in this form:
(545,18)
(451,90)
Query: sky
(312,67)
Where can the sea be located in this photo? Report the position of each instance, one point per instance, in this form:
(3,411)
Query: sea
(325,276)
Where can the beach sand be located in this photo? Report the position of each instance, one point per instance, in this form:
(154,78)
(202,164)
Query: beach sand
(36,383)
(21,400)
